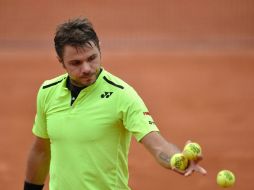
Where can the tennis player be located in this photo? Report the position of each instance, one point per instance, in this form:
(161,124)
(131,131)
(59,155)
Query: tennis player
(85,119)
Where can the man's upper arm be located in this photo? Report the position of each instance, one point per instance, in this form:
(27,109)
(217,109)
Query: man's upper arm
(41,145)
(135,115)
(39,127)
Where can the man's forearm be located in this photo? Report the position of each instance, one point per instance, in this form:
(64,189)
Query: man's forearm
(165,152)
(38,161)
(37,167)
(160,148)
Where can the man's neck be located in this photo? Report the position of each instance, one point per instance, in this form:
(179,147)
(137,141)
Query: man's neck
(72,87)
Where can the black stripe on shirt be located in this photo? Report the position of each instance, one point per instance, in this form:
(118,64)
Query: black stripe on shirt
(112,83)
(52,84)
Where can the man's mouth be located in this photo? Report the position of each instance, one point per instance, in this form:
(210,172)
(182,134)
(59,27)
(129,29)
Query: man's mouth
(86,76)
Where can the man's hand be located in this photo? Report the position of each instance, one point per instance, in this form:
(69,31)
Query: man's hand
(193,166)
(163,150)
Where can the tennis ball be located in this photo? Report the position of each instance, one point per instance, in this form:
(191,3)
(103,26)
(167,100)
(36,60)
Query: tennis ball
(225,178)
(192,151)
(179,161)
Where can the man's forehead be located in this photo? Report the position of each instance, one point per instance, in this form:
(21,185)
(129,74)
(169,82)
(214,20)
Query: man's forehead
(79,50)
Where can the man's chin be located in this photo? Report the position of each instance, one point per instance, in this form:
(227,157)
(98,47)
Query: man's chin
(86,82)
(83,82)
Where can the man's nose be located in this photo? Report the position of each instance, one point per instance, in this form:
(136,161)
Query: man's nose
(85,68)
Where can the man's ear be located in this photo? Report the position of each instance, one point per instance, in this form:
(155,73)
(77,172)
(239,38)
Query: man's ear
(60,61)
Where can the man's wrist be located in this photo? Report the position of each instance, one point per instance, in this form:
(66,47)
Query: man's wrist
(31,186)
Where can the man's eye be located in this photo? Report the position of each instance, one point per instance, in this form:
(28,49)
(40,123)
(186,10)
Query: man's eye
(75,62)
(91,58)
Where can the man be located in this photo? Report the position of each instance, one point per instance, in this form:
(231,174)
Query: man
(85,119)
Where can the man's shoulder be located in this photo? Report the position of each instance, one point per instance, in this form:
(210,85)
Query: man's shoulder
(54,81)
(126,95)
(50,87)
(126,89)
(115,81)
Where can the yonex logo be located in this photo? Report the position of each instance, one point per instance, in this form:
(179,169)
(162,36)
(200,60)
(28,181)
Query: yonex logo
(151,122)
(106,94)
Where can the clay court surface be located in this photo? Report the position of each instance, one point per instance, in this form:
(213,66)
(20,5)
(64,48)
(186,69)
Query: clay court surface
(197,85)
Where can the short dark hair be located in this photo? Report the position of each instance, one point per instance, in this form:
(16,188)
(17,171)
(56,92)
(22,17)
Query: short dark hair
(77,32)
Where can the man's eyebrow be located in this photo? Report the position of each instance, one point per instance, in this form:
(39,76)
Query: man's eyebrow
(74,61)
(92,55)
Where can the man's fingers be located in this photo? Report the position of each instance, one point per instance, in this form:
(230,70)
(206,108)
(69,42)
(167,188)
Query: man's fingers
(200,170)
(194,168)
(188,172)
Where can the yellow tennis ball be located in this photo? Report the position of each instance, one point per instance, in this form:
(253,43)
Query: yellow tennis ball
(225,178)
(178,161)
(192,151)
